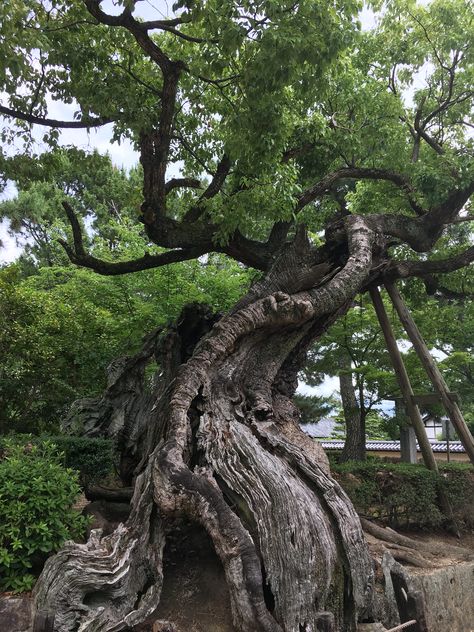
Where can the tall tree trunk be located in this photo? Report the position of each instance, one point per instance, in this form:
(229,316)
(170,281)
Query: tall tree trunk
(218,444)
(354,446)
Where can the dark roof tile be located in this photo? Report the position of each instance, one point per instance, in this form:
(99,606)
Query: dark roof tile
(394,446)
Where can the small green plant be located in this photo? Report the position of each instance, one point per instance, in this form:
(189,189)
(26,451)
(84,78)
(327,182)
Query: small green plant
(36,498)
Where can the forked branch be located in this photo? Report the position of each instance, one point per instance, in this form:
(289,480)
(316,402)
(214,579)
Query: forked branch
(81,257)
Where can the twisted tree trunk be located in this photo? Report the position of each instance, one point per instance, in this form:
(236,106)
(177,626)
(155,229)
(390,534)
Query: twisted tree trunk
(217,443)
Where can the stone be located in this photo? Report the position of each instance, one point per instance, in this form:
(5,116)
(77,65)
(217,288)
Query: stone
(15,614)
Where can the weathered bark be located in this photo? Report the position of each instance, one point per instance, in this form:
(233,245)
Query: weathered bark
(121,494)
(126,412)
(219,445)
(354,446)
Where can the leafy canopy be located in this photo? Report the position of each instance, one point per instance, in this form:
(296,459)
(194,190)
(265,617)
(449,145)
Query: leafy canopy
(258,81)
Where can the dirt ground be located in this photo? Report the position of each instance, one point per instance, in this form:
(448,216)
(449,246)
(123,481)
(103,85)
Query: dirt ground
(195,594)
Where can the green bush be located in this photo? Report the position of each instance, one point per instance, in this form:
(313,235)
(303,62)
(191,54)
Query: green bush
(93,458)
(403,494)
(36,497)
(457,481)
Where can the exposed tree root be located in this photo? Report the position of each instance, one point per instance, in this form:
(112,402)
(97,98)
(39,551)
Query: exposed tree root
(397,540)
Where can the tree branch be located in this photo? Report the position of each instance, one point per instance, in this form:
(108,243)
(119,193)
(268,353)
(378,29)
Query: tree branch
(460,220)
(212,190)
(435,146)
(404,269)
(38,120)
(154,143)
(113,268)
(324,185)
(249,252)
(79,256)
(166,25)
(178,183)
(446,212)
(137,29)
(434,288)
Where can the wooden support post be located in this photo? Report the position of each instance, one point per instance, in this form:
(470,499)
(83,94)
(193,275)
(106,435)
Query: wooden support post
(408,444)
(432,370)
(407,433)
(403,381)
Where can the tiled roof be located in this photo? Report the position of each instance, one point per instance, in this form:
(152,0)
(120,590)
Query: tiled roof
(322,428)
(394,446)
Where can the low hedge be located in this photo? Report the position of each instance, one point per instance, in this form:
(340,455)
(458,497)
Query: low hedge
(407,495)
(93,458)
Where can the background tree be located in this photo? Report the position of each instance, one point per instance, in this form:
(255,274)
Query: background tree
(62,326)
(281,131)
(353,350)
(313,408)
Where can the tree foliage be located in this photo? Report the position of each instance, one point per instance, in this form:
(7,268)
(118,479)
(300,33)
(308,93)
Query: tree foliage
(62,326)
(261,98)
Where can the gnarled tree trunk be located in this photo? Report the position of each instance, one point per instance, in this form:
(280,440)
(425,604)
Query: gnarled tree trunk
(217,443)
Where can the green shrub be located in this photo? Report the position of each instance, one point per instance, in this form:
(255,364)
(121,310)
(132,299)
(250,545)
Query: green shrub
(457,481)
(93,458)
(403,494)
(36,498)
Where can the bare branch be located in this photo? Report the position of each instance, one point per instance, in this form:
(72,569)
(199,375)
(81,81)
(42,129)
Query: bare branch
(460,220)
(79,256)
(218,180)
(109,268)
(219,82)
(46,122)
(76,229)
(178,183)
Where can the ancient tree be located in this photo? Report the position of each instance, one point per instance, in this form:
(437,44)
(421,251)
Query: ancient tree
(304,152)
